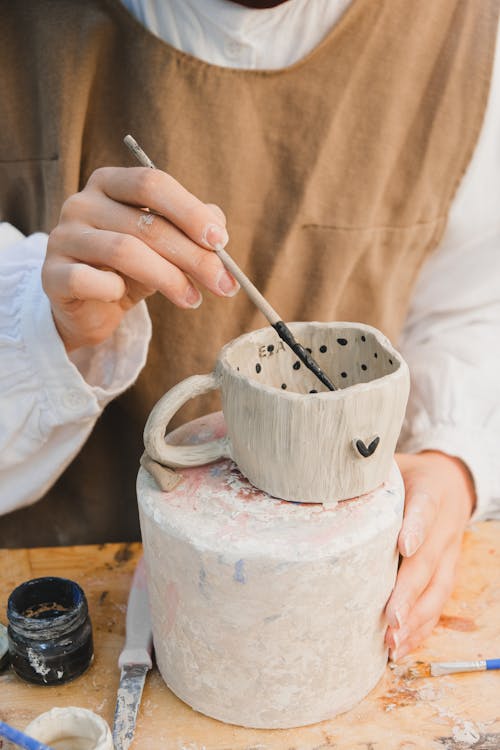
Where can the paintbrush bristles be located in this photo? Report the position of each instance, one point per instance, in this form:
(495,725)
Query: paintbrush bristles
(437,669)
(419,670)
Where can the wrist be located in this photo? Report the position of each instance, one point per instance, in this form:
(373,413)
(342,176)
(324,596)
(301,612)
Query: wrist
(457,474)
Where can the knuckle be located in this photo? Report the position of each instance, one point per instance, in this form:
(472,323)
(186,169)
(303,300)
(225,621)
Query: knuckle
(205,264)
(73,206)
(118,249)
(55,240)
(148,182)
(73,281)
(99,176)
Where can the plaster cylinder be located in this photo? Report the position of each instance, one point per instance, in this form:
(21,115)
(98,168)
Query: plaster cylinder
(266,613)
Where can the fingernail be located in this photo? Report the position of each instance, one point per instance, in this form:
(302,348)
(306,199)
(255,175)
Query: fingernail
(193,297)
(399,636)
(214,235)
(227,285)
(410,543)
(396,617)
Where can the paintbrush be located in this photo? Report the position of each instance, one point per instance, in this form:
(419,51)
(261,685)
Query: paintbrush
(257,298)
(436,669)
(20,739)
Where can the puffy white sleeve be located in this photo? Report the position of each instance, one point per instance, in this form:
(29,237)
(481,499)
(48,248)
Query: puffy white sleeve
(451,339)
(49,402)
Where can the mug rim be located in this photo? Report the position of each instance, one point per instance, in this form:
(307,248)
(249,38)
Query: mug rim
(402,371)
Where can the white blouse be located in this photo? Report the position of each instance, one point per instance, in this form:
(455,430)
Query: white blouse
(49,402)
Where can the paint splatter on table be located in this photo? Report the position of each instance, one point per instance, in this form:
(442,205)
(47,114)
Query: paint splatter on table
(446,713)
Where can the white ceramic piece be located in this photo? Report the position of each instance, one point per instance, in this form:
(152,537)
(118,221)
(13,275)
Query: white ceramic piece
(266,613)
(71,728)
(287,440)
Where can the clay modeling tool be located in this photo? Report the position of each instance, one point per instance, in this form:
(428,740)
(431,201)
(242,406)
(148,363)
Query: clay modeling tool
(257,298)
(134,661)
(20,739)
(436,669)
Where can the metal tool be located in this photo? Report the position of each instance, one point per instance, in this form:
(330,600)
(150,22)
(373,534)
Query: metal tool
(134,660)
(256,297)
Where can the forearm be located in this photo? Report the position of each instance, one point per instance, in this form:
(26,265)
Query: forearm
(49,404)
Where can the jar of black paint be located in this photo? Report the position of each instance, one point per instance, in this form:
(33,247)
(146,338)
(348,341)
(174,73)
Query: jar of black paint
(50,634)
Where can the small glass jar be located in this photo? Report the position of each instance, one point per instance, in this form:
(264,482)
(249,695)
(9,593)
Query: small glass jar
(50,634)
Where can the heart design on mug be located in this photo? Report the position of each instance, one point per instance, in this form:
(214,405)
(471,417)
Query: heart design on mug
(369,450)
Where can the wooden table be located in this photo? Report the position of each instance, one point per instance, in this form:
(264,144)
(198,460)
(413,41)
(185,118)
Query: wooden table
(461,711)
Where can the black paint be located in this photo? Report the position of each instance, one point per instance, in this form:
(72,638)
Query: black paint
(342,342)
(390,361)
(364,367)
(270,348)
(313,390)
(258,368)
(367,451)
(287,336)
(49,627)
(283,385)
(323,349)
(296,365)
(363,338)
(375,355)
(343,374)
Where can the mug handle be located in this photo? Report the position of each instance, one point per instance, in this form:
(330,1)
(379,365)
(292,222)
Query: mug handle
(182,456)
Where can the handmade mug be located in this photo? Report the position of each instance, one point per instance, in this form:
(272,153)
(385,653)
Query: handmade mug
(287,433)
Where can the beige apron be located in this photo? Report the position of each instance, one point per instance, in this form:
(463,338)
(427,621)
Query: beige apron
(336,175)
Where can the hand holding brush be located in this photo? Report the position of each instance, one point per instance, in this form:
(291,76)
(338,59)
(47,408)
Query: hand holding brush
(256,297)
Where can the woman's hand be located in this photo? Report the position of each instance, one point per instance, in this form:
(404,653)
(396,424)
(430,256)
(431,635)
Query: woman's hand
(107,252)
(440,498)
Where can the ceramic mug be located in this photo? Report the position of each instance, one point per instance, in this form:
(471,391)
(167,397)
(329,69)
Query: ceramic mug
(287,433)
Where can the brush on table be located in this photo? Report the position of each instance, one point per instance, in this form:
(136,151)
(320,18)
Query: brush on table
(20,739)
(257,298)
(436,669)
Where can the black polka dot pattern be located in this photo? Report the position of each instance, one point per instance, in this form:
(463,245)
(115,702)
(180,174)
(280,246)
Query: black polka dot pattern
(346,352)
